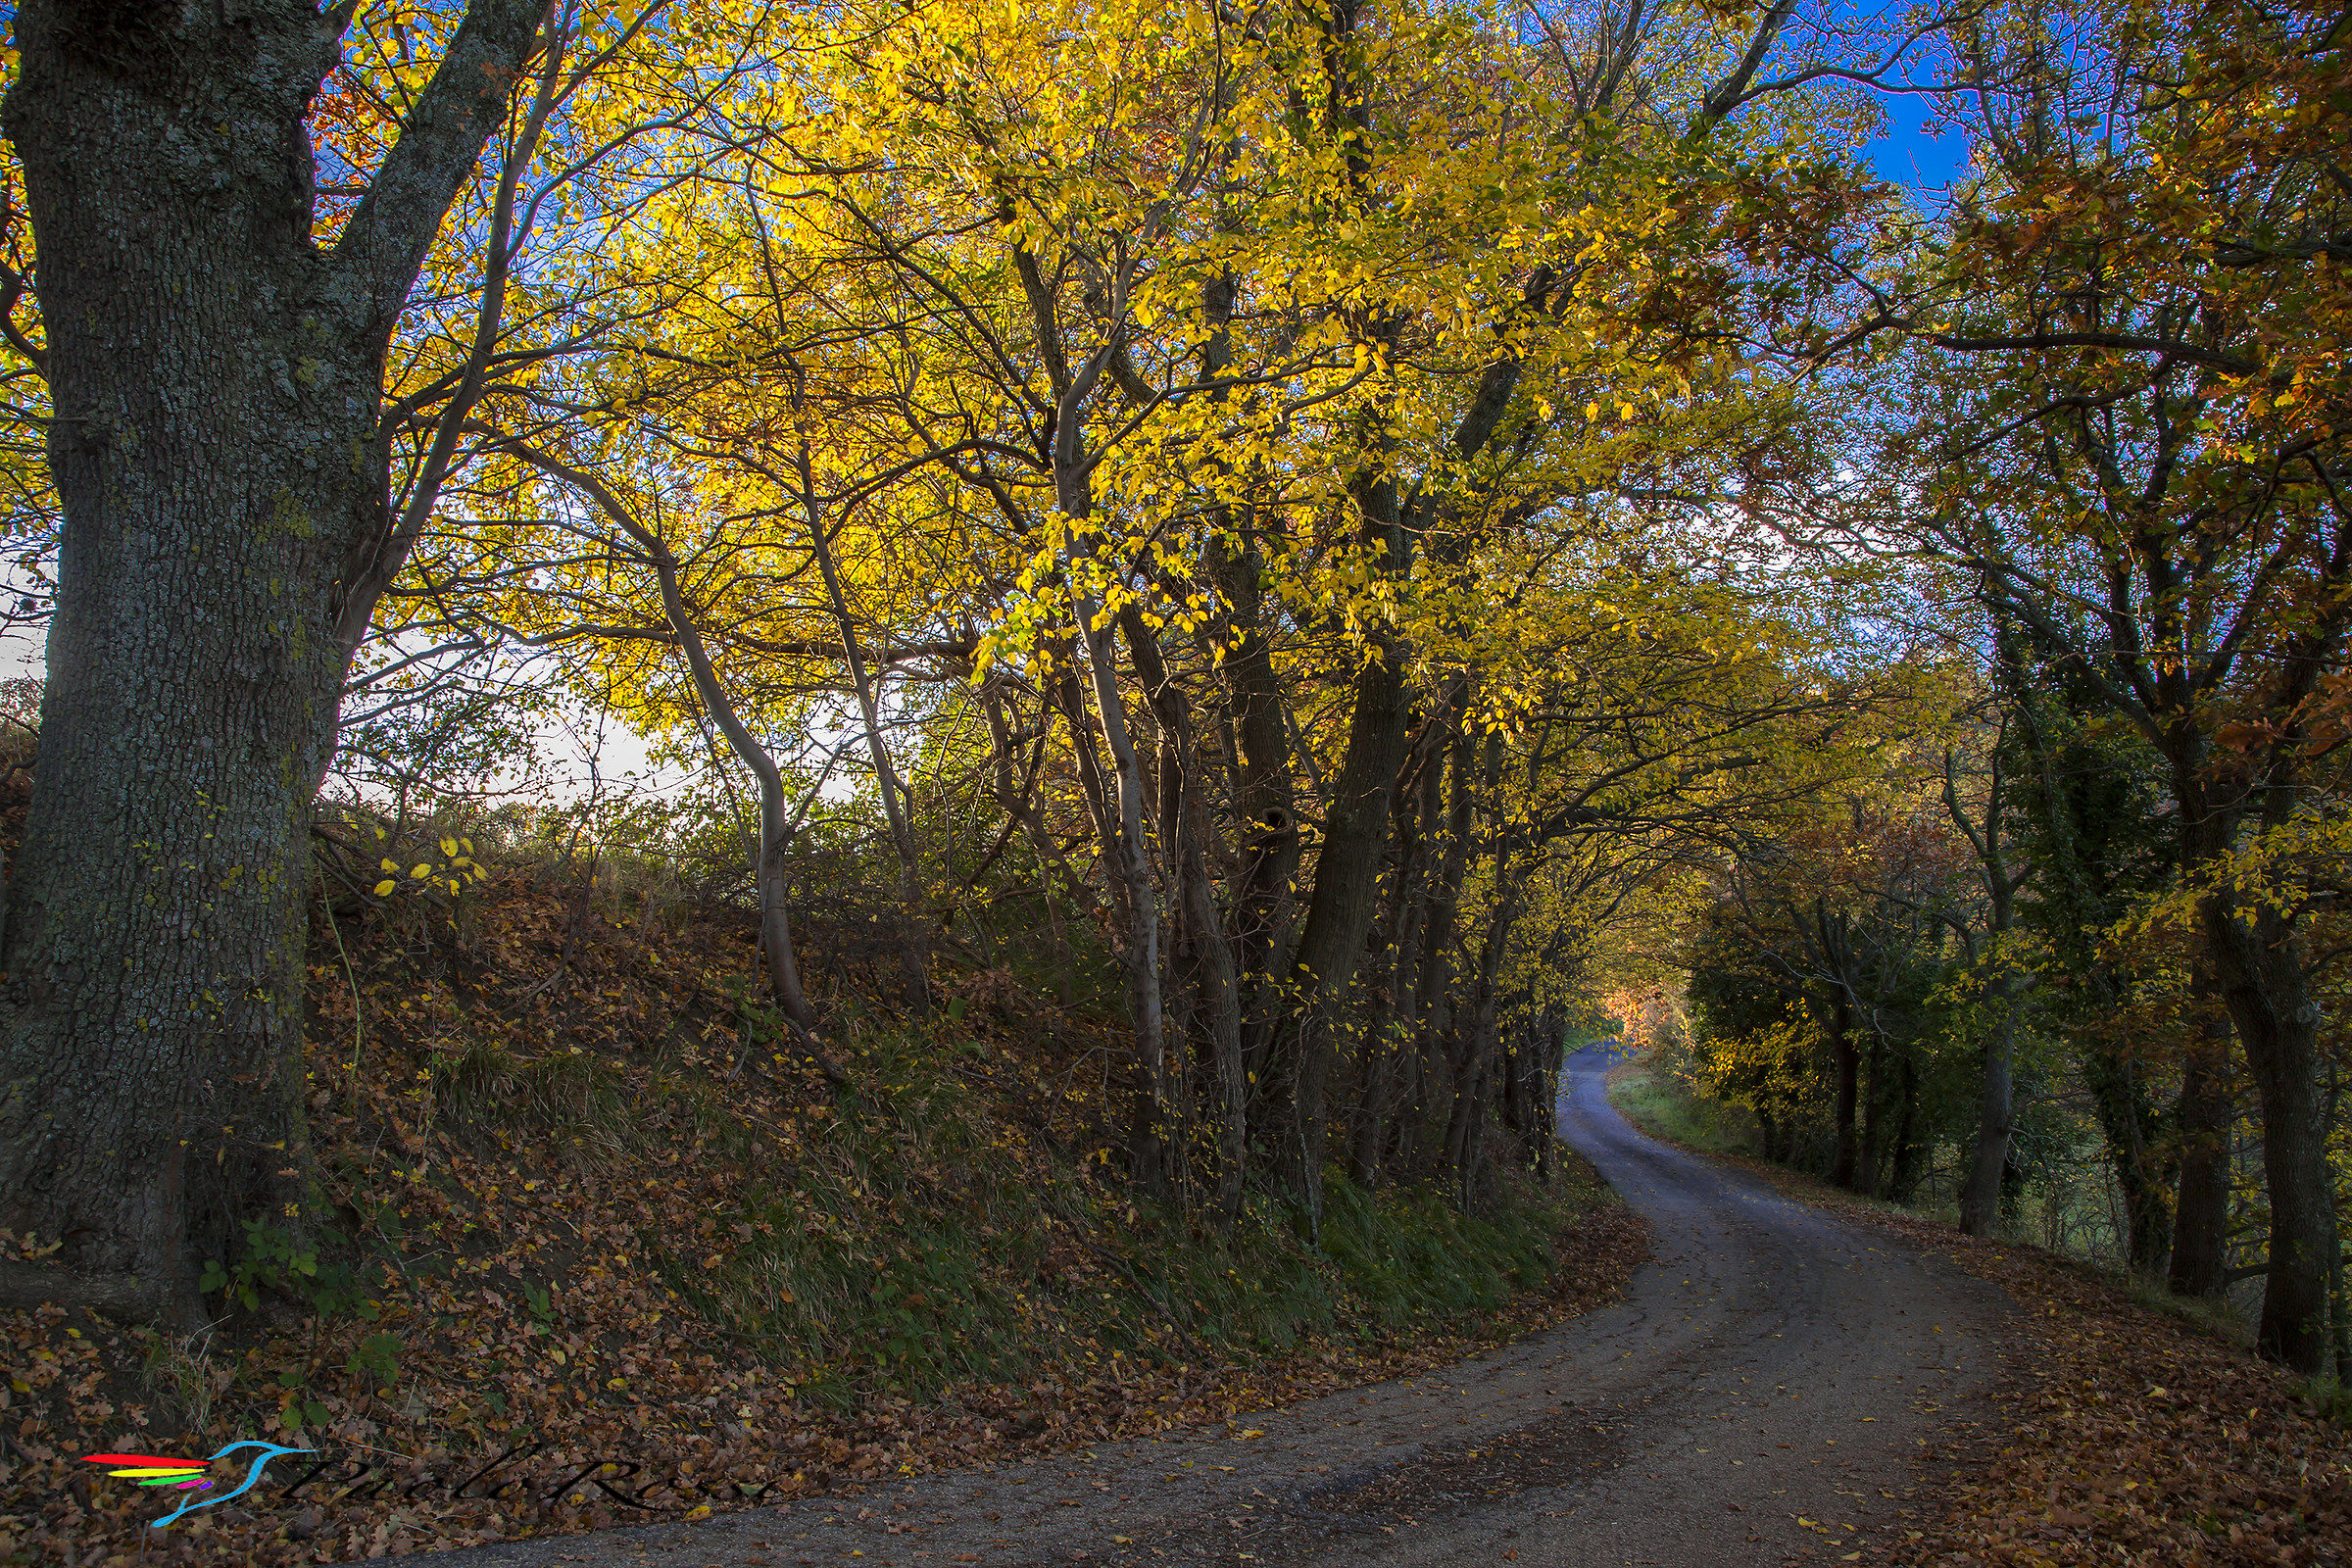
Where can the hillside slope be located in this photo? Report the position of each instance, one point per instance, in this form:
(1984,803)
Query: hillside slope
(577,1201)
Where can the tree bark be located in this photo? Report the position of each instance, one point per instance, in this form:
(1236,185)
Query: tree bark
(1980,1191)
(1904,1172)
(1847,1066)
(1476,1056)
(1131,870)
(1433,986)
(1340,911)
(2340,1322)
(1138,904)
(217,386)
(1262,900)
(771,872)
(2119,1097)
(2259,964)
(1874,1102)
(2201,1120)
(1205,951)
(1390,1016)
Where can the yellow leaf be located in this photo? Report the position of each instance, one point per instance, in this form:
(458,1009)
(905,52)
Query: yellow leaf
(421,872)
(384,887)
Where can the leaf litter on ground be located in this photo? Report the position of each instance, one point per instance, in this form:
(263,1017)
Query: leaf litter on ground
(2122,1435)
(593,1210)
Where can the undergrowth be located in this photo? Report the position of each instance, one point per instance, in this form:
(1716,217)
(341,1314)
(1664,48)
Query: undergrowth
(2217,1318)
(990,1263)
(575,1195)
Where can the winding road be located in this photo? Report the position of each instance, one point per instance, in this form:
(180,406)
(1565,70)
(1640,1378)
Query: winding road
(1760,1394)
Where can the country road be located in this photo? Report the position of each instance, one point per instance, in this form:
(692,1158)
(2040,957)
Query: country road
(1759,1393)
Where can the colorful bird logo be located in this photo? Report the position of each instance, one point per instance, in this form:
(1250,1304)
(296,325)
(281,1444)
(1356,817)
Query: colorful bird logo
(187,1474)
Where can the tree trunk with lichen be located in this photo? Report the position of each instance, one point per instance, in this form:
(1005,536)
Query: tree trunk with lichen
(217,378)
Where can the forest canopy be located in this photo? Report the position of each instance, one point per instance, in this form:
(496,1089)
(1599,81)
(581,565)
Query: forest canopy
(1357,547)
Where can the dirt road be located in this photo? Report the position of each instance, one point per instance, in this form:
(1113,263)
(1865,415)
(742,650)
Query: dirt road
(1763,1386)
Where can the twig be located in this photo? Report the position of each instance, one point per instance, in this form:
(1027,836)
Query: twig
(352,1088)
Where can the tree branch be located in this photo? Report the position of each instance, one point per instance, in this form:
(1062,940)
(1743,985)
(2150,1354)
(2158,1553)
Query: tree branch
(385,241)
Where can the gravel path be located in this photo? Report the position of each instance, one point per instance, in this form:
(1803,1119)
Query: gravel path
(1761,1392)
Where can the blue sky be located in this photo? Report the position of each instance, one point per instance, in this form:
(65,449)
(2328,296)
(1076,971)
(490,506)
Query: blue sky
(1912,154)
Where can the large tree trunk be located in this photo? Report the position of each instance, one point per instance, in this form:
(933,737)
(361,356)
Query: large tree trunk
(2339,1324)
(1475,1053)
(1981,1190)
(2259,964)
(217,382)
(1408,1085)
(1354,831)
(2120,1098)
(1122,816)
(1388,1022)
(1367,1124)
(1846,1062)
(1907,1167)
(2258,961)
(1357,816)
(1433,988)
(1874,1103)
(1267,832)
(1131,873)
(2201,1120)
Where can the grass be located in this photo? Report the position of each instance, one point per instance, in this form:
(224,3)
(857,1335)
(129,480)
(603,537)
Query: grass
(576,1096)
(2216,1319)
(577,1176)
(2331,1399)
(918,1244)
(1658,1108)
(180,1377)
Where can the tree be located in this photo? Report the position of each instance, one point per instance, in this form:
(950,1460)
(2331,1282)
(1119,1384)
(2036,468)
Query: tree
(219,455)
(2153,483)
(245,449)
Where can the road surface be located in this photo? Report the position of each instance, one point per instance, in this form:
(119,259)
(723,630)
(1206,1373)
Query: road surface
(1759,1394)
